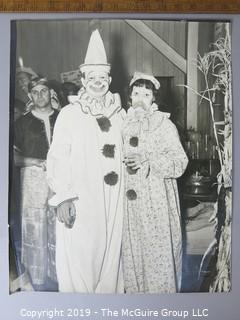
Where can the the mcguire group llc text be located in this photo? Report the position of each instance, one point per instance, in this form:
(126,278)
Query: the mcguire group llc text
(114,313)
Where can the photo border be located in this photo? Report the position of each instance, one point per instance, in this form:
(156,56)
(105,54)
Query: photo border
(220,305)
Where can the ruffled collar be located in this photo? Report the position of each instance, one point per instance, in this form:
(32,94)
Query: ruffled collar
(139,114)
(97,108)
(146,120)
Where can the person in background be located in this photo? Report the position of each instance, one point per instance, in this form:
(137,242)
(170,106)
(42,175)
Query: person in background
(14,218)
(19,109)
(19,106)
(85,171)
(154,159)
(68,89)
(23,77)
(32,138)
(55,94)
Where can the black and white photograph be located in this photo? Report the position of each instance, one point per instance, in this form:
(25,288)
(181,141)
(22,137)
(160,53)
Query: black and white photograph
(120,156)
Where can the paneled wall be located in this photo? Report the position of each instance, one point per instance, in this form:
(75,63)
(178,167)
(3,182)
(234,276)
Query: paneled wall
(206,33)
(52,47)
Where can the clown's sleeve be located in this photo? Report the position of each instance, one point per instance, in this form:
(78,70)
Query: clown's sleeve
(58,161)
(168,160)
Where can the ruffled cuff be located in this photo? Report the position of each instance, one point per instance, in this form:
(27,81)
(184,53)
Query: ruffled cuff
(57,199)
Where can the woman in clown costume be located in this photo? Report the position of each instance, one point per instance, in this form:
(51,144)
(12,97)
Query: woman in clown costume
(85,171)
(154,158)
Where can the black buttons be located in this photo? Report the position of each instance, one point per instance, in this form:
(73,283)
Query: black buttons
(131,194)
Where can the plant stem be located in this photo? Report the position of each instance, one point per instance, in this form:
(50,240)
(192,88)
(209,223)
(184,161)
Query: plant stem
(213,120)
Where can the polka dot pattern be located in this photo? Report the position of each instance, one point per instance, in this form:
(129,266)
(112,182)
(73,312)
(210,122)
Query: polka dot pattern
(131,194)
(152,239)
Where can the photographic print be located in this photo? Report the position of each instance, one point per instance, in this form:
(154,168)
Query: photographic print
(120,156)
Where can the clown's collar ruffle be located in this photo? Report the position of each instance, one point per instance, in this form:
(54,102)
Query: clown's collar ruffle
(97,108)
(148,120)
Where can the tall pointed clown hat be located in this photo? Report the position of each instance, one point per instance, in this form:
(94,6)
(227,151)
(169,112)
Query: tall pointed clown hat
(96,55)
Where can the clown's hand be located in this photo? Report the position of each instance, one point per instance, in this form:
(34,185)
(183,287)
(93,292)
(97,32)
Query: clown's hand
(66,213)
(135,160)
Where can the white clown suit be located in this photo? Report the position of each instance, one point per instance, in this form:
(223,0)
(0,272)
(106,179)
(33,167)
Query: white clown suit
(84,163)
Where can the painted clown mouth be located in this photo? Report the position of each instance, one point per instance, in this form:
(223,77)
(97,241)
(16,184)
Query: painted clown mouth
(98,89)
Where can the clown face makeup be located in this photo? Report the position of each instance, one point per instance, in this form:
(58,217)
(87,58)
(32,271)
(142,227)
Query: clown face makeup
(96,83)
(142,97)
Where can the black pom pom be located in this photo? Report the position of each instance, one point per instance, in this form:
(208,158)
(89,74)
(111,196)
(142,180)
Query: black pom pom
(108,150)
(131,194)
(104,123)
(111,178)
(133,141)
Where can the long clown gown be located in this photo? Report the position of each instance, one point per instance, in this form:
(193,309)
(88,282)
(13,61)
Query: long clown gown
(85,161)
(152,240)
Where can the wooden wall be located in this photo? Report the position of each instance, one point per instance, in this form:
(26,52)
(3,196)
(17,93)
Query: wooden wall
(204,115)
(52,47)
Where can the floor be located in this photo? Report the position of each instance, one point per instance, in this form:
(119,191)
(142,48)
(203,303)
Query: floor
(198,239)
(198,235)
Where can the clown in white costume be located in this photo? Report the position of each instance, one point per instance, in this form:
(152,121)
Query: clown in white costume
(85,171)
